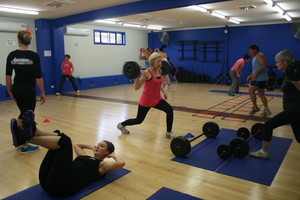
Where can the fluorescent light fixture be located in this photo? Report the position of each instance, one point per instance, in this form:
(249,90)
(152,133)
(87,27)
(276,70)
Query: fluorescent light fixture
(167,20)
(270,2)
(217,14)
(18,10)
(199,8)
(131,25)
(287,17)
(105,21)
(234,21)
(278,9)
(154,27)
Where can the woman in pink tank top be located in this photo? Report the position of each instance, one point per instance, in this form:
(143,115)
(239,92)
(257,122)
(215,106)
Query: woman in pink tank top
(152,80)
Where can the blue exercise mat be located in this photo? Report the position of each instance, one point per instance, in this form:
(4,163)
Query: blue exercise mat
(36,192)
(224,91)
(166,193)
(204,155)
(255,169)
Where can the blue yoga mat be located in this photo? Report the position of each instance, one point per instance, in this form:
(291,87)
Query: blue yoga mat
(255,169)
(204,155)
(166,193)
(224,91)
(36,192)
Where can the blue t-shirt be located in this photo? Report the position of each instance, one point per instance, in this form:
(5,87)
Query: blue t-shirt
(261,76)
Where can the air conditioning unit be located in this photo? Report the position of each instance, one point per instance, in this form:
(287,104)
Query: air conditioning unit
(77,31)
(12,27)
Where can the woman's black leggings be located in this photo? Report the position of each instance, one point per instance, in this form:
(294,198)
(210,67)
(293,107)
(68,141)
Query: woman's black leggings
(283,118)
(25,97)
(55,173)
(142,112)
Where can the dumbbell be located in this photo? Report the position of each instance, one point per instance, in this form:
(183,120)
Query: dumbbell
(180,146)
(239,147)
(293,71)
(131,69)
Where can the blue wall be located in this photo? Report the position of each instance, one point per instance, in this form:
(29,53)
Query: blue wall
(270,38)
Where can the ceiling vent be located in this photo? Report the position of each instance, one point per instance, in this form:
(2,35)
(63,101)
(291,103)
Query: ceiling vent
(60,3)
(246,8)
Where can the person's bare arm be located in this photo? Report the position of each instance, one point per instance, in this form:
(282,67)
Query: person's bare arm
(141,79)
(108,166)
(297,84)
(40,83)
(8,86)
(79,149)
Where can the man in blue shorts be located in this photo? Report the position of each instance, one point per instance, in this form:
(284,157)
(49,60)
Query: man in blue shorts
(258,80)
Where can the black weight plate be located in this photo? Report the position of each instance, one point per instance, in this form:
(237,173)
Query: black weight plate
(240,147)
(180,146)
(243,133)
(257,130)
(210,129)
(165,67)
(131,69)
(224,151)
(293,71)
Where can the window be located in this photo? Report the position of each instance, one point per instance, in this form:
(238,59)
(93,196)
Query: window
(109,37)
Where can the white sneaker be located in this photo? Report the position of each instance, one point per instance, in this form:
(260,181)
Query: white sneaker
(122,129)
(57,94)
(78,91)
(170,135)
(265,113)
(260,154)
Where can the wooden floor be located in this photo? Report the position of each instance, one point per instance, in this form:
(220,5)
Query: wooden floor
(146,151)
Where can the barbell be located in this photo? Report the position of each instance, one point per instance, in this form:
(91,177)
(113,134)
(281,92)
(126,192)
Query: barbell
(293,71)
(131,69)
(239,147)
(181,146)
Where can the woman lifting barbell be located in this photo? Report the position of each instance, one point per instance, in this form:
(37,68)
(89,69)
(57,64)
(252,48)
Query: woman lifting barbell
(152,79)
(291,105)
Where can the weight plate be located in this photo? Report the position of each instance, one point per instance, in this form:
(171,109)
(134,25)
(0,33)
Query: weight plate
(240,147)
(210,129)
(224,151)
(131,69)
(243,133)
(180,146)
(257,130)
(165,67)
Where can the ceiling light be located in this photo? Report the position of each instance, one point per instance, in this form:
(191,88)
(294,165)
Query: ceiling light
(167,20)
(234,21)
(154,27)
(217,14)
(131,25)
(105,21)
(278,9)
(18,10)
(198,8)
(287,17)
(270,2)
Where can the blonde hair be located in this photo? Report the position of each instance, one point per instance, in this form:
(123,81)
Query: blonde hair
(153,56)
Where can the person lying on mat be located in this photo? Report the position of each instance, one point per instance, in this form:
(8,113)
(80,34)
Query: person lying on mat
(59,174)
(291,106)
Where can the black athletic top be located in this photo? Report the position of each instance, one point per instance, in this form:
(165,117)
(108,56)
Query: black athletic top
(26,65)
(291,96)
(86,171)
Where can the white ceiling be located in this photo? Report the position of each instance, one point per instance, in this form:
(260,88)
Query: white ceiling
(172,19)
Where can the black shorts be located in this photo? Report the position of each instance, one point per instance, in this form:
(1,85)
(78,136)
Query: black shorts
(259,84)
